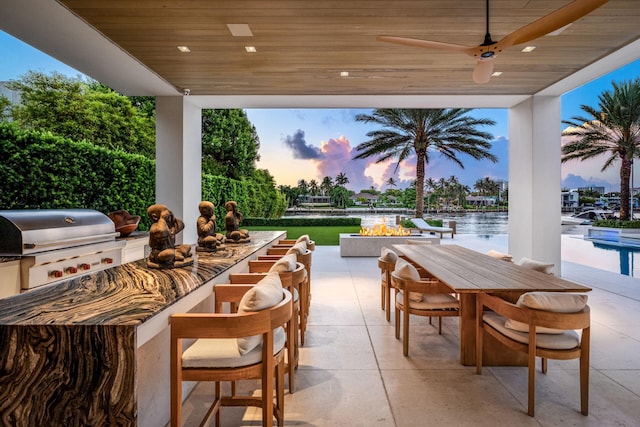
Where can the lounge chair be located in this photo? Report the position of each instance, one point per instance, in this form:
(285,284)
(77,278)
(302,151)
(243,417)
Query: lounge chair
(423,226)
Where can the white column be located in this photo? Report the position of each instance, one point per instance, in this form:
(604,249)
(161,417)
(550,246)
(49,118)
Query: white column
(534,180)
(179,160)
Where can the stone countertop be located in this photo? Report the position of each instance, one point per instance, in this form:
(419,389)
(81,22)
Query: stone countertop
(128,294)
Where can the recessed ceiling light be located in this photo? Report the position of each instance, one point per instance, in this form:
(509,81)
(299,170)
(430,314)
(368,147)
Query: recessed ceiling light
(240,30)
(250,49)
(496,73)
(528,49)
(344,74)
(184,49)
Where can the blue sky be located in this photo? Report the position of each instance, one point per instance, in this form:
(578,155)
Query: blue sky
(314,143)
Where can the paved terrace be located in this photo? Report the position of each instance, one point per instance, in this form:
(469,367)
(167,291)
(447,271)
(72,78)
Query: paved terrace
(352,372)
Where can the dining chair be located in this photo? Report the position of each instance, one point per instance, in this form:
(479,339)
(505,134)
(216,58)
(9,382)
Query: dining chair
(311,245)
(421,297)
(231,347)
(386,263)
(291,275)
(304,256)
(540,324)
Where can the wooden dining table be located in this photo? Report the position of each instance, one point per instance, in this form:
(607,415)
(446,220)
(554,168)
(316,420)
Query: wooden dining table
(468,273)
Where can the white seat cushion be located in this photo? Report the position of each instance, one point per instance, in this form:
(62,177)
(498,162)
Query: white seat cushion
(495,254)
(299,248)
(564,341)
(407,271)
(265,294)
(543,267)
(431,302)
(388,255)
(224,352)
(284,264)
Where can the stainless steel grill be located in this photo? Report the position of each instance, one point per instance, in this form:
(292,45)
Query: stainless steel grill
(55,245)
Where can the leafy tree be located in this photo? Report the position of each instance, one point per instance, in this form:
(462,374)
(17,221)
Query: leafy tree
(5,105)
(612,129)
(82,110)
(424,131)
(230,143)
(486,186)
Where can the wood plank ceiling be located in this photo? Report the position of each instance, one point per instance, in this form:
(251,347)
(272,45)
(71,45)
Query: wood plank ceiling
(303,46)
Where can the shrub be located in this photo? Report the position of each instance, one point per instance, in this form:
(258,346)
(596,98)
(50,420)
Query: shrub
(616,223)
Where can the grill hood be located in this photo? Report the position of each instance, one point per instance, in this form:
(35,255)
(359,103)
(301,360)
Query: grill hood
(24,232)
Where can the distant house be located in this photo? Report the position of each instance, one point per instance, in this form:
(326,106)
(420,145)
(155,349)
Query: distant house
(570,199)
(370,199)
(308,199)
(481,200)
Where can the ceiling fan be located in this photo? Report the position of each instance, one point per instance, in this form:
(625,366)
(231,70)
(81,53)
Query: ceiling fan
(486,52)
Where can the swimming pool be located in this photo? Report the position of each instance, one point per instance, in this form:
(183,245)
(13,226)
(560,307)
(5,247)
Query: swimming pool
(601,255)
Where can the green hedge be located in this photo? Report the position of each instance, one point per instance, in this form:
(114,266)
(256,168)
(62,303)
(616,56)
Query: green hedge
(300,222)
(616,223)
(43,171)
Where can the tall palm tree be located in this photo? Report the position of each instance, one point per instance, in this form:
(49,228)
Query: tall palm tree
(314,188)
(423,132)
(326,185)
(391,182)
(612,129)
(341,179)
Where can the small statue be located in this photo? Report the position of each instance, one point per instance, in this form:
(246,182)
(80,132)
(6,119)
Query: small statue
(232,224)
(162,240)
(208,239)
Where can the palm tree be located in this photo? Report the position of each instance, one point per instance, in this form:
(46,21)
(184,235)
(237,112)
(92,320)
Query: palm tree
(424,131)
(612,129)
(303,186)
(314,188)
(341,179)
(326,185)
(391,182)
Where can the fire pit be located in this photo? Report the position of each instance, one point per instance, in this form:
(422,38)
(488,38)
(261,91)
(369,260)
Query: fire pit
(352,245)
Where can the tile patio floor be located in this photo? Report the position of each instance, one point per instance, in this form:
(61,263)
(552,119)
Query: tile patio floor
(352,372)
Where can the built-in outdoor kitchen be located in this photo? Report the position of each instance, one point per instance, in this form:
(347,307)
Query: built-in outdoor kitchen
(84,328)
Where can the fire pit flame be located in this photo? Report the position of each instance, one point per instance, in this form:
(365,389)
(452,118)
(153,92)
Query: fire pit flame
(383,230)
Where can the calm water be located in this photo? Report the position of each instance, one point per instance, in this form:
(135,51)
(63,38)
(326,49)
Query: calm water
(574,248)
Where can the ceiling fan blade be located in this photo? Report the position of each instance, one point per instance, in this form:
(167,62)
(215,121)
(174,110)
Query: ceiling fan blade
(425,44)
(483,70)
(551,22)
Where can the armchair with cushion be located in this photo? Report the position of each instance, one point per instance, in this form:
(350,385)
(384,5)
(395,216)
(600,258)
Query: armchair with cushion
(420,296)
(540,324)
(248,344)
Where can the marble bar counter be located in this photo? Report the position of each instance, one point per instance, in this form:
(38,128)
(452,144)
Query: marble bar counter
(94,351)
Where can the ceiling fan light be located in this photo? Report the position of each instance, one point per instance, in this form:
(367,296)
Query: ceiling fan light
(528,49)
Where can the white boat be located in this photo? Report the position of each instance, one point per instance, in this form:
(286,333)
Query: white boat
(587,217)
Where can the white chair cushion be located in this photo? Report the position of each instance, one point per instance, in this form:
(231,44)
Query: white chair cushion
(564,341)
(544,267)
(558,302)
(299,248)
(224,352)
(495,254)
(304,238)
(407,271)
(388,255)
(431,302)
(265,294)
(284,264)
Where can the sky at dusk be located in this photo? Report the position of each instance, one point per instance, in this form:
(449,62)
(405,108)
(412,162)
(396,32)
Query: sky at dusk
(313,143)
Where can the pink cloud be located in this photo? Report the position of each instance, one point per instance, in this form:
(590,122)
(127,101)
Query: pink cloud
(337,157)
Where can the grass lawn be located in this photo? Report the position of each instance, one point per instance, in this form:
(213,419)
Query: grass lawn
(323,236)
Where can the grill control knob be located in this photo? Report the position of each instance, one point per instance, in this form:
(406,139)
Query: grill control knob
(107,260)
(71,270)
(84,266)
(55,273)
